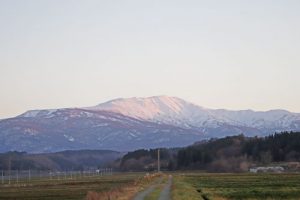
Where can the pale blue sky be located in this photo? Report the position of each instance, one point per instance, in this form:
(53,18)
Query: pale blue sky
(218,54)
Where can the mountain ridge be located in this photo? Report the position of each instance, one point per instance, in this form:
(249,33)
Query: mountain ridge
(159,96)
(180,112)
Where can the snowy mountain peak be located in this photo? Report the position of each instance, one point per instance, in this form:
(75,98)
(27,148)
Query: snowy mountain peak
(144,108)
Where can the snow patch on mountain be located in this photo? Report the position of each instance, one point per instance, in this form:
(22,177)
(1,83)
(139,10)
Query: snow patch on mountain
(70,138)
(39,113)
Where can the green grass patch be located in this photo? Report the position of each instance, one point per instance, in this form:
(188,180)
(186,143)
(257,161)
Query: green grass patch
(245,186)
(181,189)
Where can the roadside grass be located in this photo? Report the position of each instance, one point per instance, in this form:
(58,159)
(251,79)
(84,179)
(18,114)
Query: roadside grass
(182,189)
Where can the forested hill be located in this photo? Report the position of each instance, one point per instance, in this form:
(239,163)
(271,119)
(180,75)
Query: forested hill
(65,160)
(229,154)
(238,153)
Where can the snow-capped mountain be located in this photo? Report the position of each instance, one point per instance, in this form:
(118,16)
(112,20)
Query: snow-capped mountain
(175,111)
(132,123)
(161,109)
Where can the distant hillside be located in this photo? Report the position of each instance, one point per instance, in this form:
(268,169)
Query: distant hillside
(65,160)
(229,154)
(76,129)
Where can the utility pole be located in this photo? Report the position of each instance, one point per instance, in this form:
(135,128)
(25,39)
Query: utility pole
(158,160)
(9,168)
(29,175)
(17,176)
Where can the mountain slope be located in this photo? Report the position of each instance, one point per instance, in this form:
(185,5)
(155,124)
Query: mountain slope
(69,129)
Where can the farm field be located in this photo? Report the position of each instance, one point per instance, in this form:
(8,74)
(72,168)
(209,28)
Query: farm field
(195,186)
(46,189)
(191,186)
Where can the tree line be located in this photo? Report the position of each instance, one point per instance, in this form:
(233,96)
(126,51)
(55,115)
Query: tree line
(229,154)
(238,153)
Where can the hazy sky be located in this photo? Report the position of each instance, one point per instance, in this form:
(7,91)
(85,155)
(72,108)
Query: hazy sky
(218,54)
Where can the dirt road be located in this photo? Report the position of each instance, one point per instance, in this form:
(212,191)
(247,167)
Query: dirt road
(164,194)
(141,195)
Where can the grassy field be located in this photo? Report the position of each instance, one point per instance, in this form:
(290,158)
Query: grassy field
(195,186)
(66,189)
